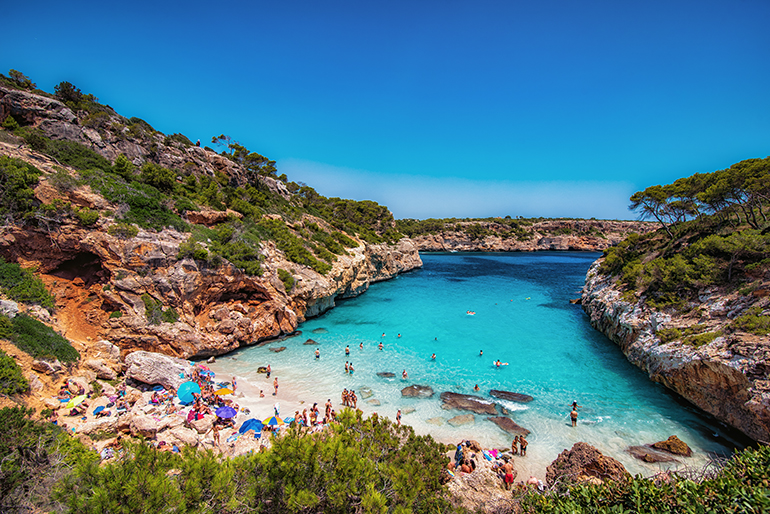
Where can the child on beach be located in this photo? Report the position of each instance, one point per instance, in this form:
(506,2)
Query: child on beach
(275,385)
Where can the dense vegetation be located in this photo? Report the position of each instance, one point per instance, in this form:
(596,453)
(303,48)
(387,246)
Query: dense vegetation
(153,196)
(359,465)
(713,232)
(742,486)
(12,379)
(22,285)
(36,338)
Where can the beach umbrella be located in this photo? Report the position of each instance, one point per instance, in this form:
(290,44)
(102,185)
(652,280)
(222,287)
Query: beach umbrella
(186,390)
(159,388)
(76,401)
(274,420)
(223,391)
(226,412)
(251,424)
(206,368)
(98,409)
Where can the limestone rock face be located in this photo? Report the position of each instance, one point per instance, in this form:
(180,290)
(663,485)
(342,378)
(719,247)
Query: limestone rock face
(584,463)
(102,371)
(726,377)
(482,490)
(156,368)
(584,235)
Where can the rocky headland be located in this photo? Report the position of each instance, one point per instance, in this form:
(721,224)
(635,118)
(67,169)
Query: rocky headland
(725,374)
(557,234)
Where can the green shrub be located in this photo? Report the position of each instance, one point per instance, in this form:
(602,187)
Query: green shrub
(17,182)
(192,249)
(668,334)
(116,314)
(170,315)
(22,286)
(9,123)
(123,230)
(66,152)
(753,322)
(124,168)
(12,379)
(177,138)
(287,279)
(86,216)
(698,340)
(40,340)
(157,176)
(154,312)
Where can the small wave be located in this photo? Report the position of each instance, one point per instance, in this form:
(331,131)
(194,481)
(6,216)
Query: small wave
(512,406)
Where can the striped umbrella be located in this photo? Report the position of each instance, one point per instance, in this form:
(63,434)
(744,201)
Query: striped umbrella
(274,420)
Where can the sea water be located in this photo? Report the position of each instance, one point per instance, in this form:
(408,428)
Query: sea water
(512,306)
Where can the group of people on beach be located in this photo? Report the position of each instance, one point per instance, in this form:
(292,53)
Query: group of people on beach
(349,398)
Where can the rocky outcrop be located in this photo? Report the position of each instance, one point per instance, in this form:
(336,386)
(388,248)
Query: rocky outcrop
(507,395)
(578,235)
(467,402)
(726,377)
(155,368)
(674,445)
(417,391)
(584,463)
(509,425)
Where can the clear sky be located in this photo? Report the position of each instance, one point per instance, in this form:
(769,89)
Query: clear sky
(434,108)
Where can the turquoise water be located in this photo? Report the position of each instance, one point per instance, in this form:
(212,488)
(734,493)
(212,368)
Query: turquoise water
(522,317)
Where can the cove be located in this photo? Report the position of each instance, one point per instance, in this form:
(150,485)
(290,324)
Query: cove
(522,317)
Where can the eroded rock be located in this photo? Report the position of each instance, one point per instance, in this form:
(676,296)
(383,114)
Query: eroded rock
(509,425)
(417,391)
(674,445)
(156,368)
(462,419)
(467,402)
(584,463)
(507,395)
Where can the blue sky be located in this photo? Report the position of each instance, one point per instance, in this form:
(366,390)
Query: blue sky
(557,108)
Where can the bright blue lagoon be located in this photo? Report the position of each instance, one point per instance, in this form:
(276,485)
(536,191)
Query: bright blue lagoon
(523,317)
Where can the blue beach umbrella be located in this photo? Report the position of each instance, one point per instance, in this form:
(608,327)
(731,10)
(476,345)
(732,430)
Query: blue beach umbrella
(226,412)
(186,390)
(251,424)
(274,420)
(98,409)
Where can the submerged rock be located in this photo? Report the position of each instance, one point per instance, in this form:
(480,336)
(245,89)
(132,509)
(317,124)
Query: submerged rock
(310,342)
(408,410)
(467,402)
(435,421)
(417,391)
(462,419)
(649,454)
(674,445)
(276,350)
(366,393)
(507,395)
(509,425)
(374,402)
(320,330)
(584,463)
(386,374)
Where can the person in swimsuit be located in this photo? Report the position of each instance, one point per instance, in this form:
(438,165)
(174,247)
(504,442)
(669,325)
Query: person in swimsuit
(268,371)
(515,446)
(404,375)
(380,346)
(573,416)
(350,368)
(347,367)
(317,353)
(361,346)
(481,353)
(523,442)
(234,385)
(433,357)
(275,386)
(398,417)
(476,388)
(508,478)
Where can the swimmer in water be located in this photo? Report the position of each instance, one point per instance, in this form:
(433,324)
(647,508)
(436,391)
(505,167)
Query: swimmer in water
(481,353)
(404,375)
(476,388)
(317,353)
(361,346)
(433,357)
(380,346)
(399,335)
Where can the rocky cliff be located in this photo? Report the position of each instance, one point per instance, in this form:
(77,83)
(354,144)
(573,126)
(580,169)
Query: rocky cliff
(726,377)
(580,235)
(114,285)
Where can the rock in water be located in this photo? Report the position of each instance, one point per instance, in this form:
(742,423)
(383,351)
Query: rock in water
(408,410)
(374,402)
(386,374)
(276,350)
(320,331)
(262,369)
(584,463)
(462,419)
(366,393)
(435,421)
(310,342)
(417,391)
(674,445)
(467,402)
(514,397)
(649,454)
(509,425)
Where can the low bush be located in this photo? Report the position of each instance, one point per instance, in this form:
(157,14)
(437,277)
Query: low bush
(21,285)
(17,182)
(752,321)
(40,340)
(287,279)
(12,379)
(123,230)
(668,334)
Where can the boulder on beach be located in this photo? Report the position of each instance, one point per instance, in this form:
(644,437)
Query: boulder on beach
(462,419)
(310,342)
(649,454)
(507,395)
(509,425)
(156,368)
(584,463)
(674,445)
(386,374)
(469,402)
(278,349)
(417,391)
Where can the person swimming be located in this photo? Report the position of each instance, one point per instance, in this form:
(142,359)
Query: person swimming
(481,353)
(433,357)
(404,375)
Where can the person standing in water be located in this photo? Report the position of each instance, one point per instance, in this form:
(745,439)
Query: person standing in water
(523,443)
(380,346)
(347,367)
(574,415)
(268,371)
(481,353)
(361,346)
(317,353)
(404,375)
(433,357)
(347,350)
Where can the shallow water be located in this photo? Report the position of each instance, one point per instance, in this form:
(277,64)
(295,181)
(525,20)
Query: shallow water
(522,317)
